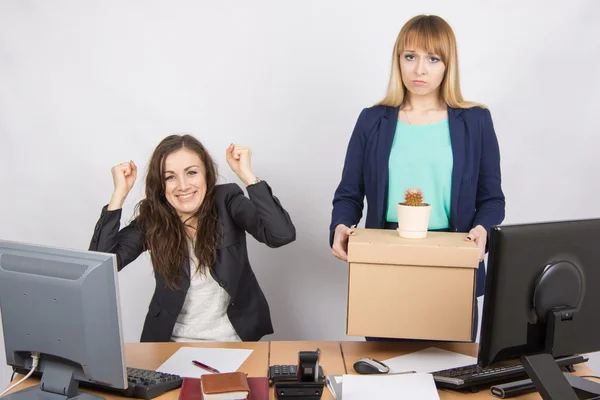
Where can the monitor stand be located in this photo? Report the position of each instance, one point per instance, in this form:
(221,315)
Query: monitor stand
(556,297)
(552,383)
(57,384)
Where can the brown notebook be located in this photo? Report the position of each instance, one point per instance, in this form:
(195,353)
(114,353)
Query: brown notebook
(191,389)
(225,386)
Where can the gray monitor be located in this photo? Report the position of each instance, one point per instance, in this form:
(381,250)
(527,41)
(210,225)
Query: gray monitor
(63,304)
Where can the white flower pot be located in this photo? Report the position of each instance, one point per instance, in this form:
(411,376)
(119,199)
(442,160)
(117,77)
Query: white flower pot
(413,221)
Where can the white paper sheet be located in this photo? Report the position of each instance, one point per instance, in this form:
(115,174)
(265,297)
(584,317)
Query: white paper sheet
(429,360)
(225,360)
(389,387)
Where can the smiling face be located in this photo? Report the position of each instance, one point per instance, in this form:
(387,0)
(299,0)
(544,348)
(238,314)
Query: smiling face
(422,72)
(185,182)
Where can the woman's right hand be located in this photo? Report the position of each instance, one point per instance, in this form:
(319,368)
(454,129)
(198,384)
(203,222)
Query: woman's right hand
(340,241)
(124,175)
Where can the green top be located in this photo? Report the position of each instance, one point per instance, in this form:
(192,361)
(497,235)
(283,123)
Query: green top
(421,157)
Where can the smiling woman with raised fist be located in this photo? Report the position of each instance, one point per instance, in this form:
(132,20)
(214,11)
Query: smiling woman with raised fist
(195,232)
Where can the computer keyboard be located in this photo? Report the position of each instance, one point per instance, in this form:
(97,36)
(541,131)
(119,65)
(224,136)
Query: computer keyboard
(143,384)
(149,384)
(472,376)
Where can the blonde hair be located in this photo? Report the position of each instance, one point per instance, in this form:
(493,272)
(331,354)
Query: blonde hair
(434,35)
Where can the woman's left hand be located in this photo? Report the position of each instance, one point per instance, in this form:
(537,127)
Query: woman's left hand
(238,158)
(479,236)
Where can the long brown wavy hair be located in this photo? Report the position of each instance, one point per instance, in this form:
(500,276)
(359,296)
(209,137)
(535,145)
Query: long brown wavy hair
(165,231)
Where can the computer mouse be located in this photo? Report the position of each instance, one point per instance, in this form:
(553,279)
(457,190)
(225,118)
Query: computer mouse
(368,365)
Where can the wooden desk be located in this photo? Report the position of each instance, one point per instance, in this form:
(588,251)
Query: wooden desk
(330,358)
(352,351)
(336,358)
(152,355)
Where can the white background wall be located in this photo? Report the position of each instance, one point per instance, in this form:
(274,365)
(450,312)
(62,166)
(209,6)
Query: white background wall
(85,85)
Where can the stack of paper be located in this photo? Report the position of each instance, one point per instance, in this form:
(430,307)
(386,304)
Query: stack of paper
(389,387)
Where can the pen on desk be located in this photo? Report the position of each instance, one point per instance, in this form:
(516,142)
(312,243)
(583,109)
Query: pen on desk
(401,373)
(206,367)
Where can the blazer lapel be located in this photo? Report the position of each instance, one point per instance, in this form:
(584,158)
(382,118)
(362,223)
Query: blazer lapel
(185,277)
(387,130)
(457,139)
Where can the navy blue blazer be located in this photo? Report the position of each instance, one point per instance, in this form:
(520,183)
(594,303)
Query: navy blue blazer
(476,194)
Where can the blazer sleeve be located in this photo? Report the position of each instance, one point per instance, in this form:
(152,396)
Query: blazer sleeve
(261,214)
(127,243)
(348,200)
(489,200)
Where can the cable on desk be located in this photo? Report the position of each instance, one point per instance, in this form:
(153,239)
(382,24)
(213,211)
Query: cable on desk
(34,364)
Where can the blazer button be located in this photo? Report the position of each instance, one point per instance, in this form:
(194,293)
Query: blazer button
(222,283)
(232,304)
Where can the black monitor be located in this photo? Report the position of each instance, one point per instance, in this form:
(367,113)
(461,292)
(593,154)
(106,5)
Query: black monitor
(63,305)
(542,298)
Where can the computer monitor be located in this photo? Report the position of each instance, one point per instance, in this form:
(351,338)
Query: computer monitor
(542,295)
(63,304)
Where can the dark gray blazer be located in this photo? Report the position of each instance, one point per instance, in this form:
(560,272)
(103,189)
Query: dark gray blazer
(261,215)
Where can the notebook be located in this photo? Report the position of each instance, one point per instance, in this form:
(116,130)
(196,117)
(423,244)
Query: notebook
(191,389)
(225,386)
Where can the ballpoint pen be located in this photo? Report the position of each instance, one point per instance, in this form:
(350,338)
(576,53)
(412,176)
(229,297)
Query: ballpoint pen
(206,367)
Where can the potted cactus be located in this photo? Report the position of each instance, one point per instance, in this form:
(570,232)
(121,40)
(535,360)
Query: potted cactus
(413,215)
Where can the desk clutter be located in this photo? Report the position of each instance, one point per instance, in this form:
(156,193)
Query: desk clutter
(211,374)
(408,376)
(411,375)
(419,374)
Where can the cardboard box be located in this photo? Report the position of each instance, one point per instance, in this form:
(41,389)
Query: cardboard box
(411,288)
